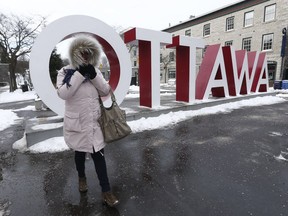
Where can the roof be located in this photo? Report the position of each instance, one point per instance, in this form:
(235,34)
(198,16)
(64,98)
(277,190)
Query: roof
(239,5)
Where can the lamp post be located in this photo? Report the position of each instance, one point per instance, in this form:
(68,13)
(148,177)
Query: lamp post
(283,47)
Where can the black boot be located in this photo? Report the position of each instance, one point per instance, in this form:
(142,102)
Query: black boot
(83,185)
(110,199)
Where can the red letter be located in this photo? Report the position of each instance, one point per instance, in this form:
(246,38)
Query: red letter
(149,62)
(212,74)
(186,66)
(260,82)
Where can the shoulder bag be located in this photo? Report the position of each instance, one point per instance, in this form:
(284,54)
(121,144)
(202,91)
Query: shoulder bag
(113,121)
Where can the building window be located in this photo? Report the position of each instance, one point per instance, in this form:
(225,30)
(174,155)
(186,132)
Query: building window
(206,30)
(270,12)
(171,56)
(161,60)
(134,52)
(171,74)
(272,69)
(230,23)
(228,43)
(246,44)
(188,32)
(248,18)
(135,63)
(204,50)
(267,42)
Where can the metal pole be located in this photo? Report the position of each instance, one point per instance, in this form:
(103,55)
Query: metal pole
(282,54)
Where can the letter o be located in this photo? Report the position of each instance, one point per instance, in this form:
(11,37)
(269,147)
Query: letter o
(114,48)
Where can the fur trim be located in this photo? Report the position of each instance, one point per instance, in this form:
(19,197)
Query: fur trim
(84,43)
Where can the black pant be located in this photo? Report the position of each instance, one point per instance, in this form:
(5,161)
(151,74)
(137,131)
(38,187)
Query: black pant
(100,166)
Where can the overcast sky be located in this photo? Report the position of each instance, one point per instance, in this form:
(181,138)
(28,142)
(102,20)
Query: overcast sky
(150,14)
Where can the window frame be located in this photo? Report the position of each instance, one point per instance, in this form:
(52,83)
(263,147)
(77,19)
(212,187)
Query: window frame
(171,56)
(270,44)
(204,50)
(246,20)
(249,40)
(266,14)
(230,24)
(228,43)
(188,32)
(206,31)
(171,74)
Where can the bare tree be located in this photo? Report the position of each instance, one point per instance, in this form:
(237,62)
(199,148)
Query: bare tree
(105,62)
(165,60)
(17,35)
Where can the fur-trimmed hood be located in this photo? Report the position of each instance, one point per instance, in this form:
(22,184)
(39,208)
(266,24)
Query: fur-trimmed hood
(84,43)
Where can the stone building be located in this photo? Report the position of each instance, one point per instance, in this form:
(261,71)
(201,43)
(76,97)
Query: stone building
(254,25)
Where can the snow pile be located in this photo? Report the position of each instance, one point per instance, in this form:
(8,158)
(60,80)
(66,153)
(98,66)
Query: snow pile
(17,95)
(8,118)
(172,118)
(52,145)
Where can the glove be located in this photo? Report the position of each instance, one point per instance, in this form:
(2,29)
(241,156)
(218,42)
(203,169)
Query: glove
(88,70)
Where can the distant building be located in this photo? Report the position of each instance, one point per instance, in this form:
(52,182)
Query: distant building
(134,56)
(4,74)
(253,25)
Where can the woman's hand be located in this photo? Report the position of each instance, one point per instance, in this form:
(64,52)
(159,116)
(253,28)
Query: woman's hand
(88,70)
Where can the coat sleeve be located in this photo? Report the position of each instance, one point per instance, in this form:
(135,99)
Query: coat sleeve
(65,92)
(101,84)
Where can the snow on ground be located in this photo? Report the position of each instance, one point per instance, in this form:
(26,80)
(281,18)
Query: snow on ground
(7,118)
(172,118)
(57,144)
(17,95)
(282,156)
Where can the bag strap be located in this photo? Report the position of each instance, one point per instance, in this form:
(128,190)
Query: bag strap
(112,95)
(112,98)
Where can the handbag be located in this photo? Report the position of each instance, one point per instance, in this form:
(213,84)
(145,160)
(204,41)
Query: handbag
(113,121)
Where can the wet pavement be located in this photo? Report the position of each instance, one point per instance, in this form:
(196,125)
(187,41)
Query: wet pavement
(223,164)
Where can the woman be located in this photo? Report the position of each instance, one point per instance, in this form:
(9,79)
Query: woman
(81,84)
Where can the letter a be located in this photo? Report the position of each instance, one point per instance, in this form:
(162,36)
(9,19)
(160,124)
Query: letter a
(212,74)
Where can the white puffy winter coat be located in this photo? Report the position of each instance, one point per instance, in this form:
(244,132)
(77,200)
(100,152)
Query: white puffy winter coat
(82,110)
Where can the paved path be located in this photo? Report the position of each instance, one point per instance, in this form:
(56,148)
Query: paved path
(214,165)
